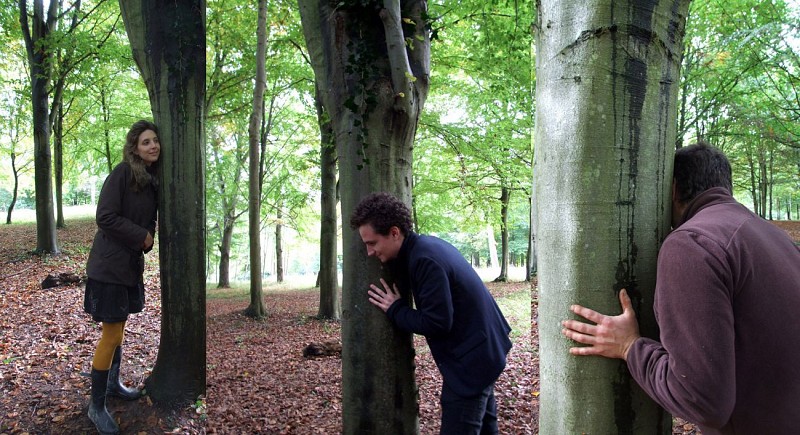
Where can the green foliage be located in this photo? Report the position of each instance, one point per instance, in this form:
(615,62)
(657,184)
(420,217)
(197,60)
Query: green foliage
(516,307)
(741,75)
(290,159)
(740,81)
(476,137)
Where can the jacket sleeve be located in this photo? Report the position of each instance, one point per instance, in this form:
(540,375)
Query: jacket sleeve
(691,373)
(433,315)
(109,211)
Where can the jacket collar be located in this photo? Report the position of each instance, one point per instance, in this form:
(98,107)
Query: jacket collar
(713,196)
(405,250)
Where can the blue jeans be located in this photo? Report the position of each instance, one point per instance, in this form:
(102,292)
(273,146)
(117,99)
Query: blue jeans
(469,415)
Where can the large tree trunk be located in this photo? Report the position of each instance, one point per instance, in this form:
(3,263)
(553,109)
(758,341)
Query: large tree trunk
(607,80)
(40,59)
(374,87)
(256,308)
(330,306)
(168,43)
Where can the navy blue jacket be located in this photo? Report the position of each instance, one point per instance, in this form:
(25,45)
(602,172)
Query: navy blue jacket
(465,330)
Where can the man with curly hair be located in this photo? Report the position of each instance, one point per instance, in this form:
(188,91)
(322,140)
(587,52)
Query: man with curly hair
(464,328)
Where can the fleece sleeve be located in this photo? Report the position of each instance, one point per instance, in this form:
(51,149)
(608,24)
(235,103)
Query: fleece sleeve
(691,372)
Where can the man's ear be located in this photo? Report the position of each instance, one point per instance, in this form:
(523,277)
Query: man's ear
(394,231)
(674,190)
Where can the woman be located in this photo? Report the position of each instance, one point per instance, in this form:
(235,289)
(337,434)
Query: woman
(126,221)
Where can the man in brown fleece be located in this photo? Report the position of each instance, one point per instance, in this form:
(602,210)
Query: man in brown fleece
(727,303)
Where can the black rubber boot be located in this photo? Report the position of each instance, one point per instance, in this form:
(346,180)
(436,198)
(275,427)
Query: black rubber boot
(115,387)
(98,413)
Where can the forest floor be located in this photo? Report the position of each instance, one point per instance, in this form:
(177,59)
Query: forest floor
(258,380)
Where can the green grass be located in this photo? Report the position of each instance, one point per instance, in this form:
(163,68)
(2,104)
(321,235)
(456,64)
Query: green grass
(238,291)
(241,290)
(516,308)
(27,216)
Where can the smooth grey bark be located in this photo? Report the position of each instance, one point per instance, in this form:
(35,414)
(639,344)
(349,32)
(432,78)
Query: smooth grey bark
(373,86)
(606,94)
(256,308)
(168,43)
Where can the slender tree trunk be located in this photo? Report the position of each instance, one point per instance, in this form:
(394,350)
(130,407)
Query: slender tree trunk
(531,269)
(330,306)
(770,181)
(279,243)
(374,86)
(58,155)
(762,181)
(106,138)
(229,214)
(15,171)
(256,308)
(225,254)
(492,260)
(40,58)
(505,197)
(603,179)
(753,184)
(168,42)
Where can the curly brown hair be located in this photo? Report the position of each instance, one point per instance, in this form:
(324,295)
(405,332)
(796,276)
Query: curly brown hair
(141,177)
(383,211)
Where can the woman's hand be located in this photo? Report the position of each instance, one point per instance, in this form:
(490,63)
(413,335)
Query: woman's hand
(148,242)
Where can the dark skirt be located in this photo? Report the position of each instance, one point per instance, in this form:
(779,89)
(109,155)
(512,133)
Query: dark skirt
(112,303)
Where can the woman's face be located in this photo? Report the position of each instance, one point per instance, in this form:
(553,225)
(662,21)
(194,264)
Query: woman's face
(148,148)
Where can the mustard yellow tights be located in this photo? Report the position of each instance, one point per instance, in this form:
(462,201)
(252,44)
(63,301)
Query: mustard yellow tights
(109,341)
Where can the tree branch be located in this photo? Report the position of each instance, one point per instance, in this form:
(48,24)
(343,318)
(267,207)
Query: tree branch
(402,77)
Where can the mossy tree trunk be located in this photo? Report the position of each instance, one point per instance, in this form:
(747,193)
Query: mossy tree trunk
(371,63)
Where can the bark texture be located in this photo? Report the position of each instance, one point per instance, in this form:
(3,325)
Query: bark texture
(607,79)
(330,306)
(168,43)
(371,62)
(40,60)
(256,308)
